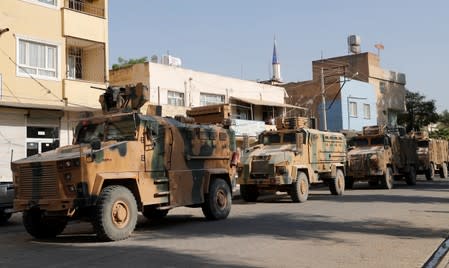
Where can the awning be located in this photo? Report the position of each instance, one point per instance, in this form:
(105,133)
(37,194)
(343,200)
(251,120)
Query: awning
(267,103)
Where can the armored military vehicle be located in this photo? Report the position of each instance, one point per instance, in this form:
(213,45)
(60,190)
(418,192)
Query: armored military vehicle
(381,154)
(432,155)
(290,159)
(122,163)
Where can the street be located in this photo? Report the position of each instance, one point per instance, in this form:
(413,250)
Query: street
(366,227)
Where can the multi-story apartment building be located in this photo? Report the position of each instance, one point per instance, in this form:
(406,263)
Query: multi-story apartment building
(52,52)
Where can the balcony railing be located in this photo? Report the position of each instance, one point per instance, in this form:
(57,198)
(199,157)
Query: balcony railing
(84,7)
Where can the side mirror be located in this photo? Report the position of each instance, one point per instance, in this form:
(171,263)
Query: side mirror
(95,144)
(299,142)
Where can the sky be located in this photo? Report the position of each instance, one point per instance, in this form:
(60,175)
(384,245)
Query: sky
(235,37)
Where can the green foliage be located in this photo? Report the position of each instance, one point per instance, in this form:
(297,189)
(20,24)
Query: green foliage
(443,126)
(420,112)
(125,63)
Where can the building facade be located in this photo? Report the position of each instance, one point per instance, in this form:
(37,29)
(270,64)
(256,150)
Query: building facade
(350,104)
(389,85)
(52,52)
(178,89)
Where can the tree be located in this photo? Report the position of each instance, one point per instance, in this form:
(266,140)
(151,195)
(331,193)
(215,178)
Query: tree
(420,112)
(125,63)
(443,126)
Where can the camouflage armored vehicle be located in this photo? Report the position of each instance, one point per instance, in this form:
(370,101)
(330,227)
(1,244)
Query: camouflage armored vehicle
(123,163)
(381,154)
(432,155)
(291,159)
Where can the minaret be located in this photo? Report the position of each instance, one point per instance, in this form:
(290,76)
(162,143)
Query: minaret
(276,65)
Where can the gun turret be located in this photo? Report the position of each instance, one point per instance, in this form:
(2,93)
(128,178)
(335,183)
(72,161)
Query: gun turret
(124,99)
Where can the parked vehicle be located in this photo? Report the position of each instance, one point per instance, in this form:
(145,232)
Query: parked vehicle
(432,155)
(6,201)
(291,159)
(123,163)
(381,154)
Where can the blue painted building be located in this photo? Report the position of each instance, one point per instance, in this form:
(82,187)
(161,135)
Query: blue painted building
(353,107)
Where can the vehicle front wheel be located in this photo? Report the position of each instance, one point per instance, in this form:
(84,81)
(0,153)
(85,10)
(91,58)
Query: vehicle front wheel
(42,227)
(387,179)
(300,188)
(410,178)
(217,203)
(430,173)
(443,171)
(116,213)
(249,193)
(337,184)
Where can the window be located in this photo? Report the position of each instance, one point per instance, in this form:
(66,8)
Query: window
(48,2)
(366,111)
(353,109)
(208,99)
(74,63)
(175,98)
(37,59)
(382,87)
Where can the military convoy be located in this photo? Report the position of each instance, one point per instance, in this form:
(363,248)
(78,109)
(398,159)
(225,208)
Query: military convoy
(291,159)
(122,163)
(381,154)
(432,154)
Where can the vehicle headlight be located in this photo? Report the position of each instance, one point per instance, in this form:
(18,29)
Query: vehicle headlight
(281,170)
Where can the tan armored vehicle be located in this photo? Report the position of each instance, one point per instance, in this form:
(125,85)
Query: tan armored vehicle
(123,163)
(432,155)
(291,159)
(381,155)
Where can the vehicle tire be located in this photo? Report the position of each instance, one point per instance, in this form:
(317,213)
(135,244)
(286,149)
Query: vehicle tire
(410,178)
(41,227)
(115,213)
(387,179)
(4,217)
(217,203)
(249,193)
(151,213)
(430,173)
(337,184)
(300,188)
(443,171)
(349,183)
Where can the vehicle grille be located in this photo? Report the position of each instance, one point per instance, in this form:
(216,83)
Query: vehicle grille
(38,181)
(260,167)
(357,163)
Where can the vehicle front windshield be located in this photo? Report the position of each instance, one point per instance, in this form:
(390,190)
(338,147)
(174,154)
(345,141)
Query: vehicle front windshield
(123,128)
(357,142)
(271,139)
(423,144)
(378,141)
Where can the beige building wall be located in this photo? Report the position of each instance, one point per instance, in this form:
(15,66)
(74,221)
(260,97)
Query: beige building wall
(191,84)
(28,99)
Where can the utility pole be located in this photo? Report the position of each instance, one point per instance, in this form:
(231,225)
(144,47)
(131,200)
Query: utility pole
(323,100)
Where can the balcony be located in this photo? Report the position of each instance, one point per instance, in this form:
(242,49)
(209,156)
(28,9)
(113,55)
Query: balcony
(94,8)
(84,20)
(86,60)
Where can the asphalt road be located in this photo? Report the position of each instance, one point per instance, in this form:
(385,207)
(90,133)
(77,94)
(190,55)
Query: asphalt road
(364,228)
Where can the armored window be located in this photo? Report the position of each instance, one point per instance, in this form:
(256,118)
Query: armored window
(423,144)
(175,98)
(209,99)
(353,109)
(366,111)
(271,138)
(37,59)
(290,138)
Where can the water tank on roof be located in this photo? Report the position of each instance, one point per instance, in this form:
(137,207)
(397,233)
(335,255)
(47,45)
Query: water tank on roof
(354,44)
